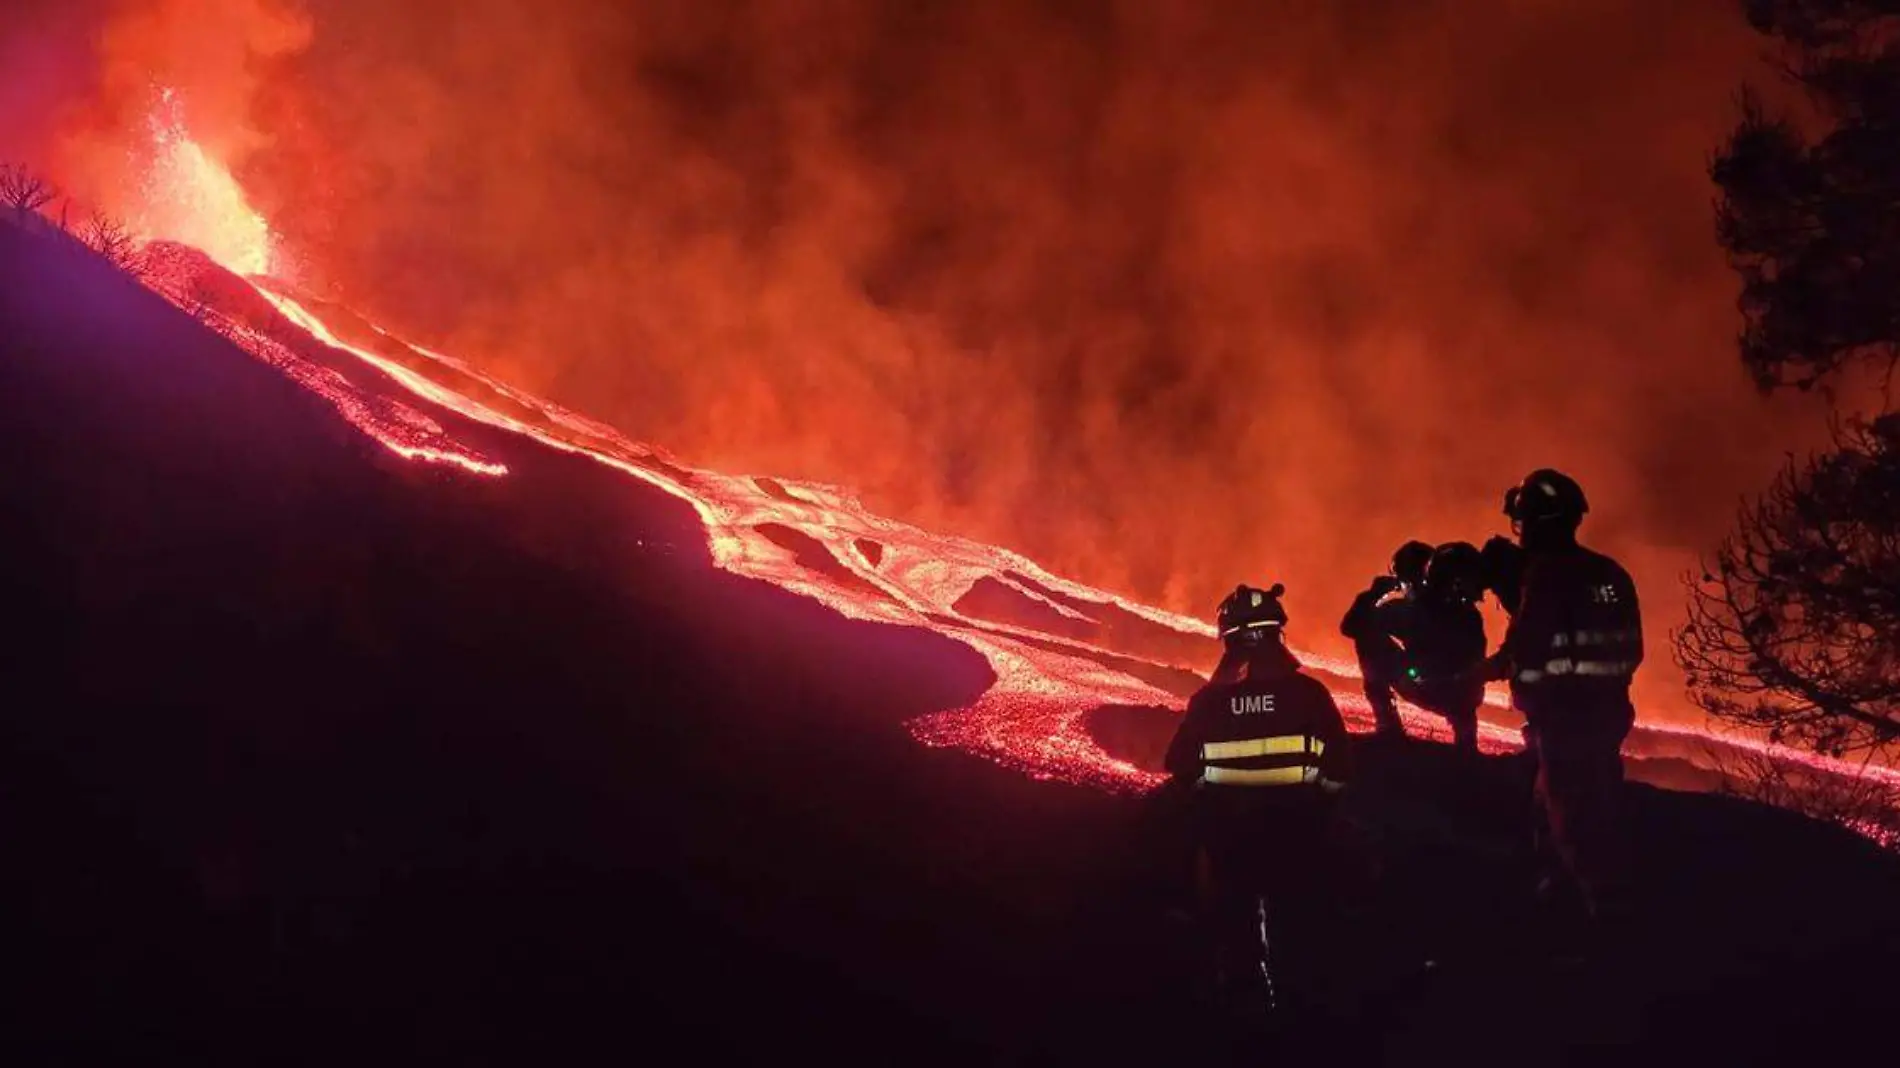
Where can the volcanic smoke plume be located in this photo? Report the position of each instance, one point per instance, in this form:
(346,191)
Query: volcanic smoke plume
(1165,294)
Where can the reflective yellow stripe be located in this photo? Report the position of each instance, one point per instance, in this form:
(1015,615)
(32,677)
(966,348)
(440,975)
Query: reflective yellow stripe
(1258,747)
(1260,776)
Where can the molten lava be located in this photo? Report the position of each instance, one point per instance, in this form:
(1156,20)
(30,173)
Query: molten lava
(1031,719)
(185,277)
(192,199)
(1059,649)
(1101,650)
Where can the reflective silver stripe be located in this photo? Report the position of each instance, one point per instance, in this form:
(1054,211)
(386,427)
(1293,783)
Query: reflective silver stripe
(1260,776)
(1281,745)
(1593,637)
(1605,637)
(1597,668)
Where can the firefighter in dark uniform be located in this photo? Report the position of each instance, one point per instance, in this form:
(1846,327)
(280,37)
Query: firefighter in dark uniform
(1264,751)
(1420,639)
(1574,644)
(1503,568)
(1379,623)
(1446,642)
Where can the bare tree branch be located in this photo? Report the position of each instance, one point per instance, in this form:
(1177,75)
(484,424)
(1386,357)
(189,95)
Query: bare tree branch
(114,243)
(1794,625)
(23,191)
(1861,801)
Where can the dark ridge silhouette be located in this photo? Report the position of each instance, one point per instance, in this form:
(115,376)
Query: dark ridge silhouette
(990,600)
(1130,631)
(776,490)
(1138,734)
(312,755)
(815,556)
(1178,681)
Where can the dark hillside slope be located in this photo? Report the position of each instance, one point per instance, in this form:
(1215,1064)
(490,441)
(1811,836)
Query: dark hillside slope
(313,755)
(290,720)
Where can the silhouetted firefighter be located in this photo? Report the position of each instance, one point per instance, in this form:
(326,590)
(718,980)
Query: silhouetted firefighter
(1374,622)
(1449,643)
(1264,751)
(1418,635)
(1575,642)
(1501,567)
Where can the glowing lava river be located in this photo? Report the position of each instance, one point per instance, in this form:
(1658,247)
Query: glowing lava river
(1058,649)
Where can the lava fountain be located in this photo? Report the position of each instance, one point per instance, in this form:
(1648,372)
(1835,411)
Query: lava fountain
(191,198)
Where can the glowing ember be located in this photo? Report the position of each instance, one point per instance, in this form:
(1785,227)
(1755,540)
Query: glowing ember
(191,198)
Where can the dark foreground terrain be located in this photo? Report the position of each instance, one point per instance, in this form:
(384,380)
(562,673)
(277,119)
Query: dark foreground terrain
(311,755)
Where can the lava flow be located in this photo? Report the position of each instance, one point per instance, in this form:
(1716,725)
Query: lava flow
(819,541)
(1059,649)
(187,278)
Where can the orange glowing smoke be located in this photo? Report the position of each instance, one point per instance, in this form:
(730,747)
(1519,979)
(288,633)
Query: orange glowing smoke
(1165,294)
(1032,719)
(191,198)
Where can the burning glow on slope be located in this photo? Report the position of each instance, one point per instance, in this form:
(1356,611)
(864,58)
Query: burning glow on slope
(182,276)
(1032,719)
(191,198)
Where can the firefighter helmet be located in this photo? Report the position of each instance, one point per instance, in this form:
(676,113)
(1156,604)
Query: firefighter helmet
(1249,616)
(1545,495)
(1410,561)
(1503,562)
(1456,571)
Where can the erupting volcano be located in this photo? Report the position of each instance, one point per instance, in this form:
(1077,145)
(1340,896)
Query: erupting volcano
(543,525)
(191,198)
(1059,649)
(546,525)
